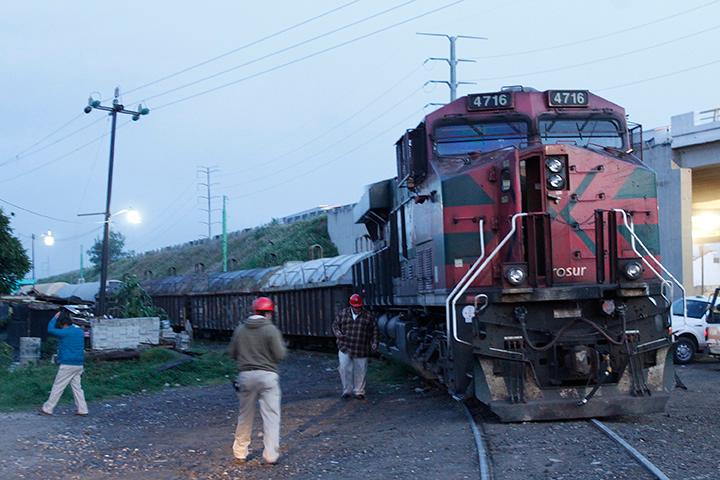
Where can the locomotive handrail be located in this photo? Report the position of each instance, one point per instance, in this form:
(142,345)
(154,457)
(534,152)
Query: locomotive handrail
(481,222)
(652,257)
(469,277)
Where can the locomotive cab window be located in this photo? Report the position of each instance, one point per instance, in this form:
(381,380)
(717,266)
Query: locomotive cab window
(479,137)
(581,131)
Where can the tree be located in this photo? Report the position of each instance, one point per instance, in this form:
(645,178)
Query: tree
(116,249)
(14,262)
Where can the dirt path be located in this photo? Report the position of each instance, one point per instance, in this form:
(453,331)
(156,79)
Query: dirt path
(187,433)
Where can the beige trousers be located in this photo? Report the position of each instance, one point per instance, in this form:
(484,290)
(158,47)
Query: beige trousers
(259,385)
(67,374)
(352,373)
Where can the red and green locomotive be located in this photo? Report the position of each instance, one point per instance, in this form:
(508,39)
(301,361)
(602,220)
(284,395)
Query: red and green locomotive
(516,257)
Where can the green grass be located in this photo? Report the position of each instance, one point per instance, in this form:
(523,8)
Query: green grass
(265,246)
(29,387)
(387,372)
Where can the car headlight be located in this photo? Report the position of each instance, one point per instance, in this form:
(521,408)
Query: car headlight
(632,270)
(556,182)
(515,275)
(554,164)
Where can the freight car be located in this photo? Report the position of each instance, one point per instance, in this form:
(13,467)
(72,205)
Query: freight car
(516,257)
(307,294)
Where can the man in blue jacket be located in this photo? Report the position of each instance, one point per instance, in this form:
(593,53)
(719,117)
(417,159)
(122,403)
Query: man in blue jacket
(71,356)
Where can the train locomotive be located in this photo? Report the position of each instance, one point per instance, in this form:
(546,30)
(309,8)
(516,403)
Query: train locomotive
(516,257)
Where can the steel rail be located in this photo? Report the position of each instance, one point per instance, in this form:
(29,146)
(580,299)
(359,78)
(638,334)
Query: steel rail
(642,460)
(483,455)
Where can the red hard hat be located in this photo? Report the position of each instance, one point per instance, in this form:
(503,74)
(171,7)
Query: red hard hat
(263,304)
(356,300)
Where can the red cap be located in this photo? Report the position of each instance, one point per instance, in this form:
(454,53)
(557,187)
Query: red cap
(356,300)
(263,304)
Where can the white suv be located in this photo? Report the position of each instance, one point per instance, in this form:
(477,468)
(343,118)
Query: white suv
(690,336)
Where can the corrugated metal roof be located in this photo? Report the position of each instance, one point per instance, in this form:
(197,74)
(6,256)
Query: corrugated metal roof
(320,272)
(238,280)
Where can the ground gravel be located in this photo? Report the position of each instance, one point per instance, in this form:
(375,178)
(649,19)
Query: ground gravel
(400,431)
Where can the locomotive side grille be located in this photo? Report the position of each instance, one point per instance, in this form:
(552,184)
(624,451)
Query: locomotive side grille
(425,269)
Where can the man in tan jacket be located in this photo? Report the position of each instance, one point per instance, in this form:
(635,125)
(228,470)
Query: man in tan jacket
(258,347)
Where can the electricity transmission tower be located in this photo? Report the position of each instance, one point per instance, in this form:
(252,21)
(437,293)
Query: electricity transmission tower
(452,62)
(205,173)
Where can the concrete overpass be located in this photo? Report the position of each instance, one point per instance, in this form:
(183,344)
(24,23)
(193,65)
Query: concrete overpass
(686,157)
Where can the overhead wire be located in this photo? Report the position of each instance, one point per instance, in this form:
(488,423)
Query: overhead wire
(306,57)
(603,59)
(63,156)
(598,37)
(277,52)
(331,129)
(333,160)
(38,214)
(332,145)
(53,132)
(242,47)
(45,147)
(664,75)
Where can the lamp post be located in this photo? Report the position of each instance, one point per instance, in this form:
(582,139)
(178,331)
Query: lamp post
(116,108)
(48,240)
(133,216)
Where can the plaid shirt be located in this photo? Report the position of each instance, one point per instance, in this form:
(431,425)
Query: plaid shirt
(358,336)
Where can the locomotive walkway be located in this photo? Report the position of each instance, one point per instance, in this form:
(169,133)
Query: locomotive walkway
(401,431)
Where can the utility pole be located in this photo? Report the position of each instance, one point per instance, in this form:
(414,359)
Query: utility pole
(116,108)
(81,279)
(224,234)
(207,172)
(452,61)
(33,256)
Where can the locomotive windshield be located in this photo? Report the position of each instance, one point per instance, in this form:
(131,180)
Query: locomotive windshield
(581,131)
(478,137)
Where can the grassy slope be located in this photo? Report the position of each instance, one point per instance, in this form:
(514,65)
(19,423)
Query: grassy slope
(29,387)
(252,248)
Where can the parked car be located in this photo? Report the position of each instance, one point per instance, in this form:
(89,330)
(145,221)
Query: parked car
(691,334)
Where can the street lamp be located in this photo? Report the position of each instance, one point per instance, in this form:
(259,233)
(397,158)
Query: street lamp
(48,240)
(132,216)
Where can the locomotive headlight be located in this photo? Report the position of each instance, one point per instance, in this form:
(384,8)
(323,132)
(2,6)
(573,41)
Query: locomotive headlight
(515,275)
(555,181)
(632,270)
(554,164)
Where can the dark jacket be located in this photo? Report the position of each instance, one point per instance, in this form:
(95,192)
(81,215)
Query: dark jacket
(71,350)
(257,344)
(355,336)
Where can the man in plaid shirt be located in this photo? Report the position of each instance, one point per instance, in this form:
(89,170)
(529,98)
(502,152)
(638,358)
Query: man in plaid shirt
(357,335)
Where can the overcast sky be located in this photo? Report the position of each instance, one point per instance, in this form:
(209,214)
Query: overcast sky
(290,137)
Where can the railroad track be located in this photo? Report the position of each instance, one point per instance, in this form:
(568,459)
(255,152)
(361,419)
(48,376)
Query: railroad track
(488,471)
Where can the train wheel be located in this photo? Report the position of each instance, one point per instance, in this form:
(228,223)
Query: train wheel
(684,351)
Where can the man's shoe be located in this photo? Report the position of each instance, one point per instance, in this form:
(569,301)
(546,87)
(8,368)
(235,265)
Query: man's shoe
(346,396)
(43,412)
(240,461)
(360,396)
(81,414)
(265,463)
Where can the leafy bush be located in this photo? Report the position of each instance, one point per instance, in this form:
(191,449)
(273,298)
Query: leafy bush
(6,355)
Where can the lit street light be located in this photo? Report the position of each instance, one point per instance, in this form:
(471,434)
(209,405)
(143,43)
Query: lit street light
(48,240)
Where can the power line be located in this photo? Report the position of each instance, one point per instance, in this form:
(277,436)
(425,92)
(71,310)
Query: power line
(664,75)
(598,37)
(247,45)
(65,155)
(340,157)
(331,129)
(603,59)
(330,146)
(315,54)
(277,52)
(33,152)
(38,214)
(61,127)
